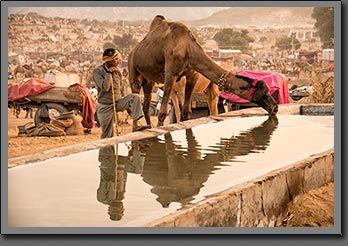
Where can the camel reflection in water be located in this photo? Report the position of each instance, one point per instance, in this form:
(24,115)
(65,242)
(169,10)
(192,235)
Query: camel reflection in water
(176,174)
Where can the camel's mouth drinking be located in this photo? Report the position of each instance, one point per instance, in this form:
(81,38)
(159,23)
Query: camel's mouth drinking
(274,110)
(269,104)
(263,98)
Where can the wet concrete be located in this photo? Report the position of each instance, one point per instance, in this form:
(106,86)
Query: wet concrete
(169,172)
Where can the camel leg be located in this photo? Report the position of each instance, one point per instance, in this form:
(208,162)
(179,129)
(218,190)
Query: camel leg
(137,82)
(179,88)
(134,77)
(212,94)
(186,111)
(175,101)
(162,114)
(147,88)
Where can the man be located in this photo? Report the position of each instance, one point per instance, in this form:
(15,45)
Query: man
(29,112)
(94,93)
(103,76)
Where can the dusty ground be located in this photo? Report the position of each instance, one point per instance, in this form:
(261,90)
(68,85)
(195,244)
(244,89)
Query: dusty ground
(20,146)
(313,209)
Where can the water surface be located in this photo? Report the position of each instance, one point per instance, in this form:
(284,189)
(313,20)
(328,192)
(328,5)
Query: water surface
(150,178)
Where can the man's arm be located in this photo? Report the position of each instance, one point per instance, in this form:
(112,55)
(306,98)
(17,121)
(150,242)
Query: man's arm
(103,80)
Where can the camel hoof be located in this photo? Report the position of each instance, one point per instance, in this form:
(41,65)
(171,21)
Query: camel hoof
(141,128)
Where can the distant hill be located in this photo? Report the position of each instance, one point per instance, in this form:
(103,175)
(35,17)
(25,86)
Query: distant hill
(259,16)
(120,13)
(194,16)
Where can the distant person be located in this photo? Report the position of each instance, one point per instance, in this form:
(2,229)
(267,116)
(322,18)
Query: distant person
(29,112)
(103,76)
(94,93)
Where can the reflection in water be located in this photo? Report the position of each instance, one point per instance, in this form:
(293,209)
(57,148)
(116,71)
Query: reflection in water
(113,179)
(176,173)
(252,141)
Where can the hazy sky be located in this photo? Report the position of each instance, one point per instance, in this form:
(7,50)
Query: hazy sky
(121,13)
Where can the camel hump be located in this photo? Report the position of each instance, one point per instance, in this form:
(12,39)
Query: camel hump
(181,29)
(178,28)
(158,20)
(160,16)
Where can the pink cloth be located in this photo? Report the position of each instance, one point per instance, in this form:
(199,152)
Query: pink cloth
(29,88)
(275,82)
(36,86)
(88,106)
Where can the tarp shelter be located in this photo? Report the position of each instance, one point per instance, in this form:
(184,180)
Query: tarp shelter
(29,88)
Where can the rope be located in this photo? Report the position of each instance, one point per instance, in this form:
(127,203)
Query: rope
(222,80)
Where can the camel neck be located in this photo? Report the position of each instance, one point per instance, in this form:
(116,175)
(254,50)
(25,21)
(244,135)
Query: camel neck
(206,66)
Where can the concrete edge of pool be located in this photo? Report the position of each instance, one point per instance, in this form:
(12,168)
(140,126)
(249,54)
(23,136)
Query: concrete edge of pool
(260,202)
(292,109)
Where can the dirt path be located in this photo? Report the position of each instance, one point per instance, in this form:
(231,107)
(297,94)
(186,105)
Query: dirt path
(313,209)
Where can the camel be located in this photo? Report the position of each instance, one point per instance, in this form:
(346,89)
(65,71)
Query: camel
(202,84)
(168,52)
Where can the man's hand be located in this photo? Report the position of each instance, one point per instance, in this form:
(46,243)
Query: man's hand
(112,69)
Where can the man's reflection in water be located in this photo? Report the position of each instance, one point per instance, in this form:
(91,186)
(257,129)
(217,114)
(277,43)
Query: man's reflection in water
(175,173)
(113,179)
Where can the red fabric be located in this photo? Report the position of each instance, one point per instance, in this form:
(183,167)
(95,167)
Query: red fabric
(251,90)
(275,82)
(88,106)
(29,88)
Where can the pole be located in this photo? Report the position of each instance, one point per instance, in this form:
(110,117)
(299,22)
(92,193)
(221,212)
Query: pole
(115,115)
(116,129)
(114,107)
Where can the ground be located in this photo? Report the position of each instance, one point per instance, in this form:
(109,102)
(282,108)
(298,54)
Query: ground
(20,146)
(315,208)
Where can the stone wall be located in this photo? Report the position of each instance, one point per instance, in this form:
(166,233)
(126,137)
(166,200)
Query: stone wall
(261,202)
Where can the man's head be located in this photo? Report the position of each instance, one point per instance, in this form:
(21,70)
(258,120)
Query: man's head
(111,56)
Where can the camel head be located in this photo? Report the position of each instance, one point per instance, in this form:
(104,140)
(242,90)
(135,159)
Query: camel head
(259,94)
(255,91)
